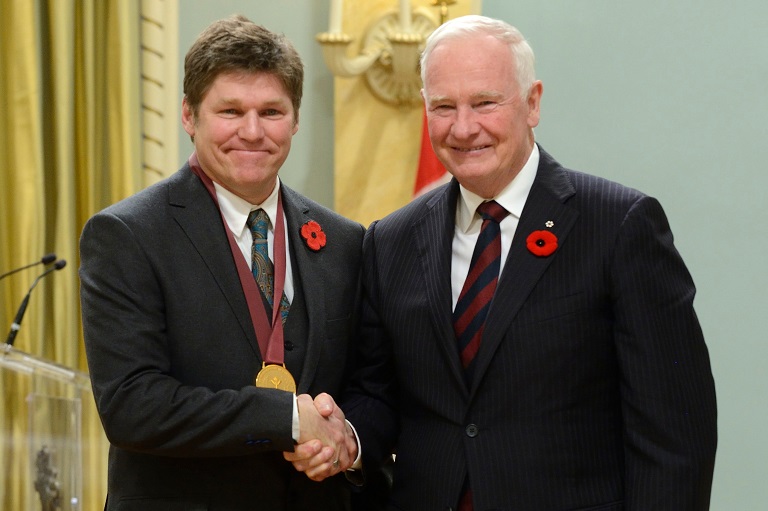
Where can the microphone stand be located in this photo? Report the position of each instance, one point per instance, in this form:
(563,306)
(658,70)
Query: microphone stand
(16,325)
(45,260)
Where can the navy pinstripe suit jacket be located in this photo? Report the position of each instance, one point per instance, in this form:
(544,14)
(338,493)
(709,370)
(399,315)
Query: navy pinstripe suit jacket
(593,388)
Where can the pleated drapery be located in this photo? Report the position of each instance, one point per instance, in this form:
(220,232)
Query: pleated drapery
(70,144)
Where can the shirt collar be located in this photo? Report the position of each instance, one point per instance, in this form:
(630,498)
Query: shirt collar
(512,197)
(236,209)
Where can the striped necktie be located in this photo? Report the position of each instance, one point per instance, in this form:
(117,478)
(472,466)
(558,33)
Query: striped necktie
(477,293)
(475,299)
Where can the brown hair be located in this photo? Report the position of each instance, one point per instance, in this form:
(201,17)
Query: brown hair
(236,44)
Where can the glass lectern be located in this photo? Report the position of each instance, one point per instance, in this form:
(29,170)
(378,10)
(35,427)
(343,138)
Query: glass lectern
(41,449)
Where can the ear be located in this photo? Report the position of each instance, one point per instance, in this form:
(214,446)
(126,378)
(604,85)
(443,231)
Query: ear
(187,118)
(534,103)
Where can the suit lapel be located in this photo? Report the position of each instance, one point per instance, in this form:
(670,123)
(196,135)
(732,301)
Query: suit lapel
(433,235)
(522,270)
(307,265)
(196,213)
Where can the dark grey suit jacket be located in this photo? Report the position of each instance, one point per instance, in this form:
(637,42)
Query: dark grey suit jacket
(172,352)
(593,387)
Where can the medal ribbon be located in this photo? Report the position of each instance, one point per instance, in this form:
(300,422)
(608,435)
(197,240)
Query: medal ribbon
(276,348)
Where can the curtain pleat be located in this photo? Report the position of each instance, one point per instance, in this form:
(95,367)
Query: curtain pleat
(70,144)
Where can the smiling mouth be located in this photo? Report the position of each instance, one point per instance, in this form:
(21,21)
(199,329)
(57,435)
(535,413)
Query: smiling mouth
(250,151)
(469,149)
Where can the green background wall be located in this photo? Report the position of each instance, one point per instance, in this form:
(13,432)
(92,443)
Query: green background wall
(668,96)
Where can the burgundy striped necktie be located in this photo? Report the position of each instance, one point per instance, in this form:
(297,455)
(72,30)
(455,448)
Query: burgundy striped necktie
(475,298)
(477,293)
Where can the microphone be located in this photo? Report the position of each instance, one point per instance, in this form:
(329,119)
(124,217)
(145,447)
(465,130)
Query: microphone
(16,325)
(45,260)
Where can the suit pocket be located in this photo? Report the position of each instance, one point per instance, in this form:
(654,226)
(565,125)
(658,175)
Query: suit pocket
(158,504)
(541,310)
(337,328)
(613,506)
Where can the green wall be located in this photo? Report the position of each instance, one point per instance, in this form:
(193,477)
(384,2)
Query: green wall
(668,96)
(671,97)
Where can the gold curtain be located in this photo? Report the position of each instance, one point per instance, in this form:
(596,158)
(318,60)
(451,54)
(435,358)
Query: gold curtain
(70,144)
(377,145)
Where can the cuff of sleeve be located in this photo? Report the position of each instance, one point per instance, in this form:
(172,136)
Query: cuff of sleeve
(358,464)
(295,429)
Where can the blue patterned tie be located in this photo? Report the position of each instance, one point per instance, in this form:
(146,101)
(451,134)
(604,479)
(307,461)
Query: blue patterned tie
(261,265)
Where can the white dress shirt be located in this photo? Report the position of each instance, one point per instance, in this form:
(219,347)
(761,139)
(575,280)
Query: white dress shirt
(468,222)
(236,211)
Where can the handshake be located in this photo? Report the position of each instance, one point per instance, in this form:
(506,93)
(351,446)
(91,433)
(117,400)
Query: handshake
(327,443)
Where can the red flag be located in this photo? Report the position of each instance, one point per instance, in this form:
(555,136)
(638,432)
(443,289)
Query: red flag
(431,172)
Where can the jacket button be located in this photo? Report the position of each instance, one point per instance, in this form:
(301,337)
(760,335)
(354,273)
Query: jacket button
(472,430)
(288,346)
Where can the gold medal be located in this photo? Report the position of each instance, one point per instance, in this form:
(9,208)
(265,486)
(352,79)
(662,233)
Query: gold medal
(274,376)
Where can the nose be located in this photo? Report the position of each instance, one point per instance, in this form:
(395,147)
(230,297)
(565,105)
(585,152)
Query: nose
(251,127)
(465,124)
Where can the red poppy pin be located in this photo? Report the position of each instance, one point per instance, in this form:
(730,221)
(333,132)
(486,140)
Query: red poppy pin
(542,243)
(313,235)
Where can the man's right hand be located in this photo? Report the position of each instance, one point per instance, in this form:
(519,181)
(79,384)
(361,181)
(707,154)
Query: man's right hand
(327,445)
